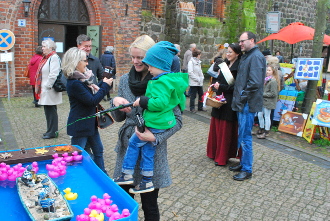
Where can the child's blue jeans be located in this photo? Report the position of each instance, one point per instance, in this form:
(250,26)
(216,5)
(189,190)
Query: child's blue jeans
(147,151)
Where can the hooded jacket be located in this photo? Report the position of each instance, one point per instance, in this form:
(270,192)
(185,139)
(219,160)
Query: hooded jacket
(164,92)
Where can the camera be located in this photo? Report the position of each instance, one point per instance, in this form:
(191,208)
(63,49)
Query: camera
(140,123)
(108,72)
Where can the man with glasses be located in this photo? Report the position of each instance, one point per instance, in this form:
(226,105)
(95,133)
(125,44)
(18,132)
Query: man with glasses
(85,43)
(247,100)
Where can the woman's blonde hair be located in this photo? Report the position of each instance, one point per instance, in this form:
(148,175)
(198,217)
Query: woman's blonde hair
(144,42)
(71,59)
(276,76)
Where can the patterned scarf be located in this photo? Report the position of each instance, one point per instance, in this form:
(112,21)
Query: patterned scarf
(39,72)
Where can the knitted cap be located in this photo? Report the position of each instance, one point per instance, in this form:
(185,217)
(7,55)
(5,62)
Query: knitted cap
(144,42)
(161,55)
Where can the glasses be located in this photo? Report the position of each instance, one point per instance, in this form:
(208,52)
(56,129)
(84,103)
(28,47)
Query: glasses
(86,61)
(241,41)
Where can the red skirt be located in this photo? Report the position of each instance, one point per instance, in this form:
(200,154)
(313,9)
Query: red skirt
(222,140)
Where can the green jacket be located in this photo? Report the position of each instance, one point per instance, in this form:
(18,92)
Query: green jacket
(164,92)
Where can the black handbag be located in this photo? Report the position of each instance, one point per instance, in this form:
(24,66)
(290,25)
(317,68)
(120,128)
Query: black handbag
(59,86)
(103,120)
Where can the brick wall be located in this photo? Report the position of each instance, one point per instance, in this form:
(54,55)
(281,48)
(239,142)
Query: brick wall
(120,21)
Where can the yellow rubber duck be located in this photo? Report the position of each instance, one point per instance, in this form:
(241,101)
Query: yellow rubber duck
(70,196)
(99,217)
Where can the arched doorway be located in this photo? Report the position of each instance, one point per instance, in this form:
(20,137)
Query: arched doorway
(63,21)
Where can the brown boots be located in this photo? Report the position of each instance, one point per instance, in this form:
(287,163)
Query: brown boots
(263,135)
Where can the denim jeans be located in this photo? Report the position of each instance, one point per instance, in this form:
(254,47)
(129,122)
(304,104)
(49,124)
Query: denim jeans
(96,145)
(245,124)
(264,118)
(147,151)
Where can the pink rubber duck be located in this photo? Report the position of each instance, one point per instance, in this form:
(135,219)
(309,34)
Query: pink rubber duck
(76,156)
(3,176)
(125,213)
(66,157)
(115,216)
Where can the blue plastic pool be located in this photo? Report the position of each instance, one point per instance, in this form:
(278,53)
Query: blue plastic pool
(84,178)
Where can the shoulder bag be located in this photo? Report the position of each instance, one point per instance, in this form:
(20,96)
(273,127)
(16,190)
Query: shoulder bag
(104,120)
(58,85)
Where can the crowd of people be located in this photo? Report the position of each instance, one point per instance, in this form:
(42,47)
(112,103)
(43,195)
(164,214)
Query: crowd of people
(156,85)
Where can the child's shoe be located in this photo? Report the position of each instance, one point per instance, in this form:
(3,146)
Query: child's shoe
(143,187)
(124,179)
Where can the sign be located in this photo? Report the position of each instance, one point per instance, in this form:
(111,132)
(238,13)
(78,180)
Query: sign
(21,23)
(4,57)
(7,40)
(273,22)
(308,68)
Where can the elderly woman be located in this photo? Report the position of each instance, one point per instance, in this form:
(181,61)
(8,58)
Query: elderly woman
(48,70)
(84,96)
(131,86)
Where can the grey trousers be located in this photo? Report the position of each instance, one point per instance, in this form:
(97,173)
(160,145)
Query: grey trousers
(51,119)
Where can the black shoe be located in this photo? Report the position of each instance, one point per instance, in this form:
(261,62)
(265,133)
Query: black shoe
(109,98)
(46,136)
(193,111)
(201,110)
(242,176)
(236,168)
(215,163)
(37,105)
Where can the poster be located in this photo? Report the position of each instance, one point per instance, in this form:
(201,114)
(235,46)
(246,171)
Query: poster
(292,123)
(310,128)
(324,132)
(308,68)
(286,101)
(322,113)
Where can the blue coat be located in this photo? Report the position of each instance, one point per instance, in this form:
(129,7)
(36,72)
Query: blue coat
(107,59)
(82,104)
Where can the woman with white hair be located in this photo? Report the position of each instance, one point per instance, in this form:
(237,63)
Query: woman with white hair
(84,96)
(48,70)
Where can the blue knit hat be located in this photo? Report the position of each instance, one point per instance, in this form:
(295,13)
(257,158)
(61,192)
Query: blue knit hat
(161,55)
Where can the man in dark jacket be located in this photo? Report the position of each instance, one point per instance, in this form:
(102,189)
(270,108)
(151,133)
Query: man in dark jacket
(85,43)
(247,100)
(108,60)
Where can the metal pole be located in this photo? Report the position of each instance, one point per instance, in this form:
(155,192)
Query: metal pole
(8,80)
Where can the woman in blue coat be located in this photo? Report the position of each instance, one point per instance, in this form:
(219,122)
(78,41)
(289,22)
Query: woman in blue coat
(84,97)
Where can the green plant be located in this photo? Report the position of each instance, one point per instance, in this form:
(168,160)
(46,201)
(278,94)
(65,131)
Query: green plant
(146,13)
(274,128)
(322,143)
(207,21)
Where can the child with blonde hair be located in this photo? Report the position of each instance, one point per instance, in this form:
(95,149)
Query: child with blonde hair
(271,89)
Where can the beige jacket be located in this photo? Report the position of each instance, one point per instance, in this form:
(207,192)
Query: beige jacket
(196,76)
(50,71)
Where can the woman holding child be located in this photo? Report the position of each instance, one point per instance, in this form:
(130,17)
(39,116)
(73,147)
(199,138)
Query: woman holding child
(222,140)
(132,86)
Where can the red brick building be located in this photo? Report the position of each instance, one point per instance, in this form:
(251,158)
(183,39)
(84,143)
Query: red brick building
(107,22)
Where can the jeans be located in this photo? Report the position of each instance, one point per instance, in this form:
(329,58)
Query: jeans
(149,203)
(96,145)
(264,118)
(147,151)
(245,124)
(194,90)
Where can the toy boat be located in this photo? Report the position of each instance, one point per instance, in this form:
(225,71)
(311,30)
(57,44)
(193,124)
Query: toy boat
(41,198)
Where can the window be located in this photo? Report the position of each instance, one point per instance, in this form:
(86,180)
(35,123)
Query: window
(145,4)
(204,7)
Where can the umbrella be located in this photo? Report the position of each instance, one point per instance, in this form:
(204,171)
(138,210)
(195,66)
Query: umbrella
(293,33)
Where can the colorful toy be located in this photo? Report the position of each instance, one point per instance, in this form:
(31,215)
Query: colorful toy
(69,195)
(76,156)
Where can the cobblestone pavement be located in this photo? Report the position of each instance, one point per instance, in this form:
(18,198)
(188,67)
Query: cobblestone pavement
(288,183)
